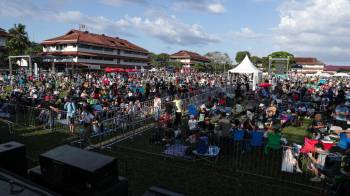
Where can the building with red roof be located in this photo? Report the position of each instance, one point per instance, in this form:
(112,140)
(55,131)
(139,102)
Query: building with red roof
(3,36)
(82,49)
(188,58)
(309,65)
(336,68)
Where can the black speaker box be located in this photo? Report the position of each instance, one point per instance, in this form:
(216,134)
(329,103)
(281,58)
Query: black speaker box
(13,158)
(77,170)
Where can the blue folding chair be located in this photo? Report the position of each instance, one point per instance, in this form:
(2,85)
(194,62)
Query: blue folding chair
(257,139)
(238,135)
(206,152)
(344,142)
(192,110)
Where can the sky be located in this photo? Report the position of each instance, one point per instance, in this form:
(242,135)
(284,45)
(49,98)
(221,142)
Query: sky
(305,28)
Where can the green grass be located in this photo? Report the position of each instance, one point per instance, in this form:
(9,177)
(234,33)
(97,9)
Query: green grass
(297,134)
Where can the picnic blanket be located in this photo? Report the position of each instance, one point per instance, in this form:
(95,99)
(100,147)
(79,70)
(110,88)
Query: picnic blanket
(177,150)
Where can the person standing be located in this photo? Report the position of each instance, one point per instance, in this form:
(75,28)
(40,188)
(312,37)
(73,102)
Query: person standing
(157,104)
(178,110)
(70,108)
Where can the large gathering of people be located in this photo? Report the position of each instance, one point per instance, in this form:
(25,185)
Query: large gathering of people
(241,115)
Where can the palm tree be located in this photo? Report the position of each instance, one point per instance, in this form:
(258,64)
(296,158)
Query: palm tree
(17,41)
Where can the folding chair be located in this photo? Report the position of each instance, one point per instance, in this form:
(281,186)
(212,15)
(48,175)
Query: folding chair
(344,142)
(273,142)
(204,151)
(257,139)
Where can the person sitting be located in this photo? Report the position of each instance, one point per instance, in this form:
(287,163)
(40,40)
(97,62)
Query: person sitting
(317,124)
(192,124)
(317,164)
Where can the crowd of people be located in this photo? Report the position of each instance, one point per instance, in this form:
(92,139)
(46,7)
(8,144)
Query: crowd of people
(84,98)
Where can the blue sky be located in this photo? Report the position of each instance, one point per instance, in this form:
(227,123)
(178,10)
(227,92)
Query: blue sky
(317,28)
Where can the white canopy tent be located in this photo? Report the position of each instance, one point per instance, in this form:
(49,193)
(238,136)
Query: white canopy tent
(341,75)
(247,67)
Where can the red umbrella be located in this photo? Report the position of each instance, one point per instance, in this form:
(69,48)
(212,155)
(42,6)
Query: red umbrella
(130,70)
(265,85)
(114,69)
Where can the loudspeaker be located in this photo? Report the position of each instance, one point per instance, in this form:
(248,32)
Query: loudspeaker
(11,184)
(121,188)
(75,170)
(13,158)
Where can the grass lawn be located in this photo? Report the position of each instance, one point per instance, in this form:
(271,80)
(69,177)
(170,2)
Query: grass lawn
(37,140)
(297,134)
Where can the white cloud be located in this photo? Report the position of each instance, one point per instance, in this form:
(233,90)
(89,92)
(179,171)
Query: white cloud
(247,33)
(319,28)
(216,8)
(163,27)
(120,2)
(212,6)
(171,30)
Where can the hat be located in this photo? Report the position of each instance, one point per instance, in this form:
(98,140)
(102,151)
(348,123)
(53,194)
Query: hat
(289,111)
(261,105)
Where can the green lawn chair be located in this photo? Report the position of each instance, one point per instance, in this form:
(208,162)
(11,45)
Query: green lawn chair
(273,142)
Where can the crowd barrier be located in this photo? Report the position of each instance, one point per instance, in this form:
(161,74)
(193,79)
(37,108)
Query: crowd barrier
(123,124)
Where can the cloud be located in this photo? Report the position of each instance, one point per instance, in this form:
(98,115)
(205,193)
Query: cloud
(247,33)
(317,28)
(121,2)
(212,6)
(171,30)
(160,26)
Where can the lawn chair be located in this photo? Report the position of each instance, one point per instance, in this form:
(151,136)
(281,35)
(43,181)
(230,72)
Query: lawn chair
(206,152)
(273,142)
(238,135)
(192,110)
(309,146)
(344,142)
(257,139)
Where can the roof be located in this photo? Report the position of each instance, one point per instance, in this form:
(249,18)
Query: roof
(335,68)
(246,66)
(3,33)
(307,61)
(75,36)
(188,54)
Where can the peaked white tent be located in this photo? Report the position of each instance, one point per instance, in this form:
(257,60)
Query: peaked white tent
(247,67)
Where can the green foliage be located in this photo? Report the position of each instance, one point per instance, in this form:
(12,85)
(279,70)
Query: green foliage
(240,56)
(17,41)
(34,48)
(343,71)
(200,67)
(159,60)
(256,60)
(175,64)
(281,54)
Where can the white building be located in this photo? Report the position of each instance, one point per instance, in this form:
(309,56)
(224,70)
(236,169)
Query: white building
(82,49)
(309,65)
(188,58)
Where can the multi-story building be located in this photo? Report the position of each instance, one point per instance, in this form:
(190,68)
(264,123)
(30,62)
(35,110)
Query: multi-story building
(3,36)
(188,58)
(332,69)
(309,65)
(84,50)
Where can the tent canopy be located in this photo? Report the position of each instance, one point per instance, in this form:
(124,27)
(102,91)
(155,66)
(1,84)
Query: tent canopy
(245,67)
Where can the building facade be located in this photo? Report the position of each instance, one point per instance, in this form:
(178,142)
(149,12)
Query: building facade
(309,65)
(188,59)
(3,36)
(85,50)
(332,69)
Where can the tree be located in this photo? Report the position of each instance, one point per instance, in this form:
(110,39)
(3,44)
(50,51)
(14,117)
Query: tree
(218,61)
(256,60)
(17,41)
(175,64)
(282,54)
(240,56)
(34,48)
(159,60)
(200,67)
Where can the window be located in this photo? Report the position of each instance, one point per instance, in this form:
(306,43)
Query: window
(59,47)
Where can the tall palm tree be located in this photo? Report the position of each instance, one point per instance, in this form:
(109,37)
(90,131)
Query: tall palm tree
(17,41)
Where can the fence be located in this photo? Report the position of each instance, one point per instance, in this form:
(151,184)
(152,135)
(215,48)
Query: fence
(127,125)
(196,178)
